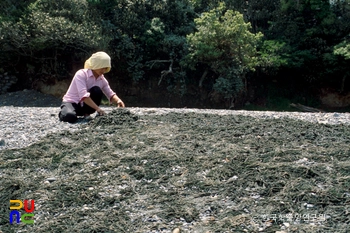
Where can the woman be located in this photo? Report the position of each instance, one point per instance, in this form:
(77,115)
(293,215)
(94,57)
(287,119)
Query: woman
(85,92)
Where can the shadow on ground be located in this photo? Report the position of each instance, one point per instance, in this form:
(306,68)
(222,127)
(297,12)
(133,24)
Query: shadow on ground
(29,98)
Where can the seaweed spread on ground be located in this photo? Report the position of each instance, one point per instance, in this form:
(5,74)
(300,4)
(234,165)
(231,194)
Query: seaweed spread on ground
(196,172)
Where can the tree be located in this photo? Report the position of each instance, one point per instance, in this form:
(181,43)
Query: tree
(224,45)
(48,35)
(273,54)
(309,29)
(144,31)
(343,49)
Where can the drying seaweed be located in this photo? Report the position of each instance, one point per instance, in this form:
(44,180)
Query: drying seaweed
(196,172)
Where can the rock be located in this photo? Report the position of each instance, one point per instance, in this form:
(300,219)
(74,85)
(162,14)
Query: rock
(51,179)
(286,224)
(58,89)
(2,142)
(334,99)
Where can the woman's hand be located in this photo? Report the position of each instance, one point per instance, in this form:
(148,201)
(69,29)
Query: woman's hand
(116,100)
(100,112)
(120,104)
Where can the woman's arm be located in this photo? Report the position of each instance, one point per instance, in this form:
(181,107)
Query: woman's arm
(92,104)
(116,100)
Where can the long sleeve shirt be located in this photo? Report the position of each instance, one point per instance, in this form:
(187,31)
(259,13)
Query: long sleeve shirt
(82,81)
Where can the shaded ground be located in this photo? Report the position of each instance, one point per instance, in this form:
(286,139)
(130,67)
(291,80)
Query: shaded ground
(197,172)
(29,98)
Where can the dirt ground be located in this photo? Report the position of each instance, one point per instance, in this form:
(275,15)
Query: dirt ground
(195,172)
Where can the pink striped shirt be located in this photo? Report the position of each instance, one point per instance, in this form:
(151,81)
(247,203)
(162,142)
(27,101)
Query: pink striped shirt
(82,81)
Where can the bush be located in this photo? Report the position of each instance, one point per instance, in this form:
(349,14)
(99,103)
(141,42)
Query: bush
(46,36)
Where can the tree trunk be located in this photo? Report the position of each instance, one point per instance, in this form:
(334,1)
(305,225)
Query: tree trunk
(342,87)
(202,78)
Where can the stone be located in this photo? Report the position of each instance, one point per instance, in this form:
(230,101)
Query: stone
(2,142)
(51,179)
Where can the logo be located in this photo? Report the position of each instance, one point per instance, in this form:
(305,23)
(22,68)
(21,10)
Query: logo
(27,217)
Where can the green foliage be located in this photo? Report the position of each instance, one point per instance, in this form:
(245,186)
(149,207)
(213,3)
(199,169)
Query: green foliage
(49,33)
(224,43)
(343,49)
(153,35)
(309,30)
(13,9)
(273,54)
(144,31)
(307,39)
(62,23)
(229,83)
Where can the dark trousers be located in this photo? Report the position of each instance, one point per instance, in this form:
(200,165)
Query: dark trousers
(70,111)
